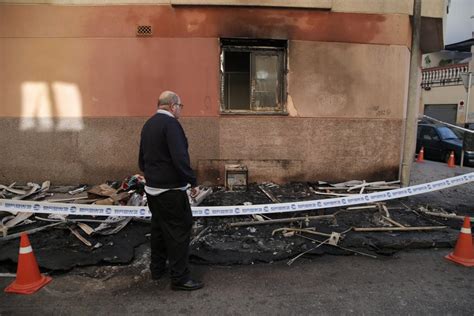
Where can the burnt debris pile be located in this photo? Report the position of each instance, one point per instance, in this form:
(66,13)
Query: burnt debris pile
(62,242)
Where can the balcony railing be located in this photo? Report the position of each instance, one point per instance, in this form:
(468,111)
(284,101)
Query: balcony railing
(443,76)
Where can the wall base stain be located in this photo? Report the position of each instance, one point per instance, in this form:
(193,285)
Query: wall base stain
(274,149)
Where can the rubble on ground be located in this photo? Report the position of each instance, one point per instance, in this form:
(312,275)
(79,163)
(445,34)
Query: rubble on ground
(63,242)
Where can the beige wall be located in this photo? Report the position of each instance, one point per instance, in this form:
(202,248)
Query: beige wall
(283,149)
(94,50)
(448,95)
(430,8)
(345,121)
(112,76)
(348,80)
(76,86)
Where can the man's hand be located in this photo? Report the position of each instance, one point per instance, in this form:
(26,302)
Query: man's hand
(195,192)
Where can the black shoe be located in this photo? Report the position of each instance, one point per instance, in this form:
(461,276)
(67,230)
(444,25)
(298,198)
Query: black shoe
(156,275)
(189,285)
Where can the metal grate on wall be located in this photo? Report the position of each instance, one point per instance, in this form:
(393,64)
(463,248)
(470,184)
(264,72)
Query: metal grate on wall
(144,30)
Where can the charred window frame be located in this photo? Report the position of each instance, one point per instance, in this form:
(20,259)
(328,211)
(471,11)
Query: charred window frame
(253,76)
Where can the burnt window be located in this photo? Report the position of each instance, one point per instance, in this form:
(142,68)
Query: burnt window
(253,76)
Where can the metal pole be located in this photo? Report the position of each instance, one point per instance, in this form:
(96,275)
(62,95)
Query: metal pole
(409,144)
(466,115)
(466,118)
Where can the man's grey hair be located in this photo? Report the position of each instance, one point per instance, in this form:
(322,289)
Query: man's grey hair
(168,98)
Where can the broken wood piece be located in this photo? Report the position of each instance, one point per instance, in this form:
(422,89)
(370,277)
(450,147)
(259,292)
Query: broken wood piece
(290,262)
(85,201)
(37,193)
(346,184)
(68,199)
(330,194)
(366,188)
(203,193)
(382,188)
(300,230)
(78,190)
(383,209)
(334,239)
(269,194)
(30,231)
(258,217)
(85,228)
(391,221)
(332,188)
(444,215)
(117,197)
(58,217)
(45,186)
(281,220)
(79,236)
(40,196)
(75,220)
(403,229)
(3,227)
(20,217)
(113,226)
(34,187)
(340,247)
(102,190)
(198,236)
(362,189)
(12,190)
(372,184)
(107,201)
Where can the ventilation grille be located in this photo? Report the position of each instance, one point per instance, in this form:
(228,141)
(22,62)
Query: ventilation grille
(144,30)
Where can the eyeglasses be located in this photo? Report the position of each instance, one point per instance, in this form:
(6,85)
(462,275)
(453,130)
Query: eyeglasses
(179,105)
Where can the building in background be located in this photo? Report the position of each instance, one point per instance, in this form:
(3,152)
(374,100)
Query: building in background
(444,96)
(295,90)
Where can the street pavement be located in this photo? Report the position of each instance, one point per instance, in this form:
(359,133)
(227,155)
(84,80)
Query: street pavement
(421,282)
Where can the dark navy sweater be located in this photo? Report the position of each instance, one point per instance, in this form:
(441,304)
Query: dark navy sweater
(163,156)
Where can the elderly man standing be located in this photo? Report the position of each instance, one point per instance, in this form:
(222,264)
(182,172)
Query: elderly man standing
(164,160)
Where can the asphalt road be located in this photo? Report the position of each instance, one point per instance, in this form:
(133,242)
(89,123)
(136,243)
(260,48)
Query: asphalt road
(412,283)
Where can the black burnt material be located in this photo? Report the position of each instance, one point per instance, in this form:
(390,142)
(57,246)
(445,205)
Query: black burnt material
(58,250)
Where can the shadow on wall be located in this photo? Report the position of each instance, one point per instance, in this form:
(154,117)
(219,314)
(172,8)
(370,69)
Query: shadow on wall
(52,140)
(50,107)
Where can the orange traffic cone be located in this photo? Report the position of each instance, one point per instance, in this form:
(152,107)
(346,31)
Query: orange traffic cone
(464,250)
(451,163)
(421,155)
(28,277)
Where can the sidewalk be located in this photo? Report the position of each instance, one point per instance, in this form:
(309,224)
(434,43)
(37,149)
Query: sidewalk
(416,283)
(459,199)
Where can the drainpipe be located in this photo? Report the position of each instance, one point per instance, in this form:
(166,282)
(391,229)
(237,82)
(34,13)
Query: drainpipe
(466,109)
(466,118)
(409,144)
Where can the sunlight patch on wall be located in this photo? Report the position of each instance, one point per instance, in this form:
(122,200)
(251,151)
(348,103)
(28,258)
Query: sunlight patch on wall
(68,106)
(51,107)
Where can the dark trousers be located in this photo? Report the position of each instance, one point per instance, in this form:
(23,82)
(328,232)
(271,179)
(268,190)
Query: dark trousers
(171,224)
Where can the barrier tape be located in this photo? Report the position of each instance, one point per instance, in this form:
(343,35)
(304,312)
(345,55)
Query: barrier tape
(450,125)
(201,211)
